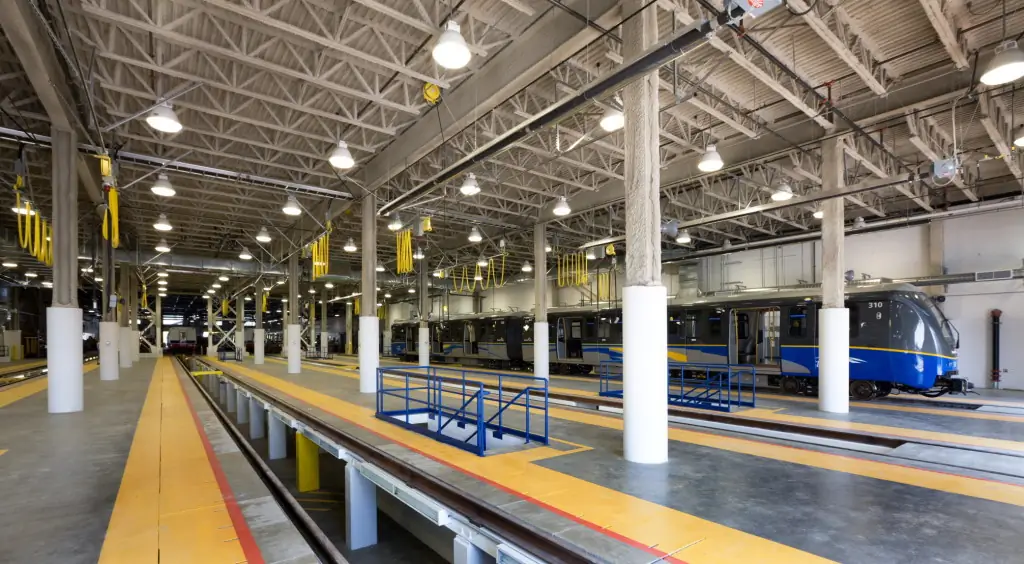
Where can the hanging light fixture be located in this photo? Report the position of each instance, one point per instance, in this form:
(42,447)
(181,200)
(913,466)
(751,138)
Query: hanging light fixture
(470,187)
(818,213)
(562,207)
(481,262)
(312,290)
(98,279)
(161,282)
(245,255)
(380,267)
(162,246)
(1019,141)
(412,290)
(591,255)
(475,236)
(162,187)
(612,120)
(223,278)
(683,238)
(211,291)
(350,246)
(24,209)
(164,119)
(10,264)
(247,298)
(329,286)
(215,285)
(341,157)
(387,295)
(451,51)
(547,247)
(396,223)
(418,254)
(48,284)
(162,294)
(727,244)
(281,281)
(478,277)
(527,267)
(858,223)
(291,207)
(782,193)
(30,275)
(1006,66)
(437,274)
(710,161)
(263,236)
(162,224)
(162,274)
(267,288)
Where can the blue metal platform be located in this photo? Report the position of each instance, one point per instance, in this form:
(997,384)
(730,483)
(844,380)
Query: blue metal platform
(721,387)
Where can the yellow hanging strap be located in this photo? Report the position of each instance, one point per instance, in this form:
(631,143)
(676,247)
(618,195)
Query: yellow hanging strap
(111,223)
(403,245)
(145,298)
(224,307)
(358,301)
(264,306)
(321,253)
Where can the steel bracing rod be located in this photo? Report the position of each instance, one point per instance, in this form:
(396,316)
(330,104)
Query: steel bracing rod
(632,70)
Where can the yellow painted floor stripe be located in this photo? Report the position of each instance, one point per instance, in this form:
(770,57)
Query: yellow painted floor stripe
(984,489)
(15,392)
(2,451)
(169,507)
(967,401)
(949,412)
(644,522)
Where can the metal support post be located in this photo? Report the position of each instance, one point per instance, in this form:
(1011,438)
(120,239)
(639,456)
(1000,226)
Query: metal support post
(110,332)
(259,336)
(324,335)
(240,324)
(360,508)
(348,327)
(423,339)
(294,336)
(232,397)
(125,331)
(541,353)
(158,321)
(466,552)
(834,318)
(369,326)
(133,315)
(278,439)
(257,419)
(242,407)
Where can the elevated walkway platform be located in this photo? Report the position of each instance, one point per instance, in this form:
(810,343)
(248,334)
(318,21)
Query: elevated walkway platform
(144,474)
(723,497)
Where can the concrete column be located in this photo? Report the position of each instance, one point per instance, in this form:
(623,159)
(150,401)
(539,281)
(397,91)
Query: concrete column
(541,353)
(312,323)
(324,335)
(257,419)
(834,318)
(465,552)
(239,330)
(110,337)
(66,391)
(242,406)
(348,327)
(125,330)
(424,328)
(158,322)
(222,392)
(278,440)
(645,339)
(307,464)
(259,336)
(209,328)
(133,315)
(360,506)
(369,326)
(232,393)
(294,333)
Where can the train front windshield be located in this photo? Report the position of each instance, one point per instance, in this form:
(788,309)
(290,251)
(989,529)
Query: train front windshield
(949,333)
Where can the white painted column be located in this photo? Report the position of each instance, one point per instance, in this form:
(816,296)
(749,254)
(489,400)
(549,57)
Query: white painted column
(257,419)
(232,397)
(348,327)
(278,440)
(124,347)
(242,406)
(294,333)
(325,337)
(645,318)
(423,335)
(834,318)
(133,319)
(240,324)
(109,341)
(66,391)
(158,321)
(541,352)
(369,327)
(465,552)
(360,508)
(210,352)
(259,335)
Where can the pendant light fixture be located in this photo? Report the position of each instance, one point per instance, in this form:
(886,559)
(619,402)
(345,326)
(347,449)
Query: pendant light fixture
(396,223)
(562,207)
(350,246)
(329,286)
(1006,66)
(527,267)
(387,295)
(591,255)
(162,274)
(24,209)
(223,278)
(481,262)
(412,290)
(31,275)
(437,274)
(470,187)
(245,254)
(451,50)
(478,277)
(161,282)
(818,213)
(612,120)
(859,223)
(547,247)
(710,161)
(475,236)
(263,236)
(341,157)
(164,119)
(380,267)
(783,193)
(162,187)
(1019,138)
(683,238)
(291,207)
(418,254)
(162,246)
(162,224)
(211,291)
(215,285)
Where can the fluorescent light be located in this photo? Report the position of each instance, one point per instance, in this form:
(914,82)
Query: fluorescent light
(263,236)
(396,223)
(48,284)
(683,238)
(1006,66)
(291,207)
(162,246)
(562,207)
(527,267)
(475,236)
(245,254)
(341,157)
(710,161)
(164,119)
(162,224)
(162,187)
(612,120)
(451,51)
(782,193)
(470,187)
(350,246)
(30,275)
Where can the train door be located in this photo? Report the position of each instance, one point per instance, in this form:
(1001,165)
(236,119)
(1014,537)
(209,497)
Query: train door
(470,343)
(437,338)
(754,337)
(570,338)
(412,339)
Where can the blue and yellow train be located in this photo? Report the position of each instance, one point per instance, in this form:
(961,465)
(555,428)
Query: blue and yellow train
(899,339)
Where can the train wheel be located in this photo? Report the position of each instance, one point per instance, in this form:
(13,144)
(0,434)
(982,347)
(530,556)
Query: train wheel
(790,385)
(863,390)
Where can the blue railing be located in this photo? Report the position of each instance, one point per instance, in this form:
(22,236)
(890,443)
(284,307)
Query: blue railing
(483,405)
(720,387)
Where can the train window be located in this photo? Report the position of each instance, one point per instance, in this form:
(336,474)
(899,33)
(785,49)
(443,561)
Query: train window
(674,325)
(527,331)
(715,324)
(742,326)
(604,328)
(798,322)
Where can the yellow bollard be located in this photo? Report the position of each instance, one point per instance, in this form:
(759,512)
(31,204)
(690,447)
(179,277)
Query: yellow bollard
(307,464)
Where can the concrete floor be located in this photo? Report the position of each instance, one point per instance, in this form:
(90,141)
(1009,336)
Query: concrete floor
(61,474)
(834,514)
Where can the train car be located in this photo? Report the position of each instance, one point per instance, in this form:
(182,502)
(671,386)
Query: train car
(180,340)
(489,340)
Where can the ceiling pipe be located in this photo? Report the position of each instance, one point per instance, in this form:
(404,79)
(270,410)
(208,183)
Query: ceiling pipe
(649,61)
